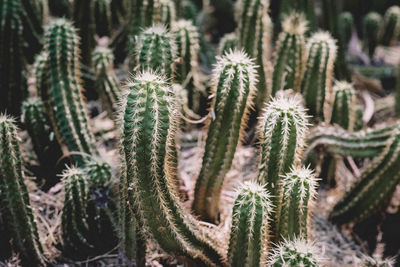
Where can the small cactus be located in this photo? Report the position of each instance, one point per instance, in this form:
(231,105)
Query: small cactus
(370,27)
(15,208)
(234,81)
(390,31)
(290,54)
(227,43)
(149,127)
(345,29)
(317,80)
(344,105)
(249,231)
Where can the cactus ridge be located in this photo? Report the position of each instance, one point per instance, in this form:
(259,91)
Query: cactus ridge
(371,26)
(344,105)
(149,129)
(234,80)
(390,31)
(297,252)
(228,42)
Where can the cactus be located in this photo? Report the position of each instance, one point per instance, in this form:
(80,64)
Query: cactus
(15,209)
(62,93)
(189,10)
(345,29)
(234,81)
(228,42)
(254,33)
(187,41)
(282,129)
(164,13)
(290,54)
(390,31)
(317,80)
(249,230)
(103,19)
(344,105)
(376,185)
(299,191)
(297,252)
(156,50)
(147,186)
(107,82)
(306,7)
(40,71)
(371,24)
(13,87)
(60,8)
(397,93)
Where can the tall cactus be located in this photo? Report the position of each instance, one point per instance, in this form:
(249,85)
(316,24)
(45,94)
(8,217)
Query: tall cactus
(371,25)
(147,186)
(317,80)
(299,191)
(390,31)
(344,105)
(62,93)
(345,29)
(296,252)
(228,42)
(15,209)
(290,54)
(306,7)
(249,231)
(234,81)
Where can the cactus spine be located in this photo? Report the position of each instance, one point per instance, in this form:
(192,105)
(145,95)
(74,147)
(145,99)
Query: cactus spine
(344,105)
(294,253)
(15,209)
(371,24)
(391,26)
(228,42)
(249,230)
(62,94)
(316,84)
(299,191)
(290,54)
(234,81)
(147,187)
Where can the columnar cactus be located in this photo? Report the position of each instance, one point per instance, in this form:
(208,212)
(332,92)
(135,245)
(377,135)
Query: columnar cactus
(234,81)
(15,209)
(249,231)
(156,50)
(164,13)
(290,54)
(306,7)
(299,191)
(371,25)
(40,70)
(103,19)
(282,129)
(62,93)
(147,185)
(107,82)
(228,42)
(345,29)
(375,186)
(296,252)
(391,26)
(344,105)
(317,80)
(187,41)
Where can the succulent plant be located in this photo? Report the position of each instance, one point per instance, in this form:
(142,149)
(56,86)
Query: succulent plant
(189,10)
(40,70)
(397,93)
(164,13)
(103,18)
(371,26)
(228,42)
(234,81)
(390,30)
(316,85)
(15,208)
(147,185)
(345,28)
(290,54)
(344,105)
(307,7)
(249,231)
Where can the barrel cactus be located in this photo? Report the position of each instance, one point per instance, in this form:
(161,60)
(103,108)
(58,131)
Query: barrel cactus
(371,26)
(390,31)
(344,105)
(228,42)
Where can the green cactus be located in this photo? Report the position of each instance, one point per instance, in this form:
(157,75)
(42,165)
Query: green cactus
(397,93)
(344,105)
(316,85)
(254,33)
(297,252)
(299,190)
(234,81)
(374,188)
(62,93)
(306,7)
(290,54)
(147,185)
(156,50)
(189,11)
(228,42)
(15,210)
(282,129)
(187,41)
(390,31)
(345,29)
(371,25)
(107,82)
(40,71)
(164,13)
(103,18)
(249,230)
(13,88)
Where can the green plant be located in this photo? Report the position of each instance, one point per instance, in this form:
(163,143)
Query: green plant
(290,54)
(344,105)
(296,252)
(345,29)
(234,81)
(317,80)
(307,7)
(397,93)
(390,30)
(228,42)
(371,25)
(249,231)
(60,8)
(164,13)
(103,18)
(15,208)
(189,10)
(149,125)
